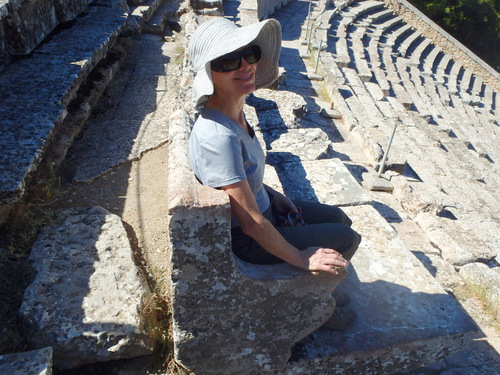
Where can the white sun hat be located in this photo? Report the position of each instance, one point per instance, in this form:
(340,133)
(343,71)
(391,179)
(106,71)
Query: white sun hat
(220,36)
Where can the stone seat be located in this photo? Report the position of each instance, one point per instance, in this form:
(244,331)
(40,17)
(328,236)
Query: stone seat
(359,9)
(226,310)
(394,36)
(418,54)
(430,61)
(407,43)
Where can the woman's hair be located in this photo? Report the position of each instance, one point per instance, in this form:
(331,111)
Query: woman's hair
(220,36)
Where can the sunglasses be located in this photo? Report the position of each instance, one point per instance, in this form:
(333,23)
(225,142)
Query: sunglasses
(232,61)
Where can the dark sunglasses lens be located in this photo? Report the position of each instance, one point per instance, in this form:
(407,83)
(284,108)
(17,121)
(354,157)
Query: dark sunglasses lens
(226,63)
(251,54)
(232,61)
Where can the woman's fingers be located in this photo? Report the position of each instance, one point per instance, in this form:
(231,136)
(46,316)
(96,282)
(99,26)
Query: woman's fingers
(322,259)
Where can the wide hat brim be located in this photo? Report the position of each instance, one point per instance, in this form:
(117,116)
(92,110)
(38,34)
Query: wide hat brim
(220,36)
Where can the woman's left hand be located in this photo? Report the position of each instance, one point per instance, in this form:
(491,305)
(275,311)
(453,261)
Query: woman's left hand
(283,204)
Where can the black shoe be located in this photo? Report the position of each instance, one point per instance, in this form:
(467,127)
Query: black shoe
(341,298)
(341,319)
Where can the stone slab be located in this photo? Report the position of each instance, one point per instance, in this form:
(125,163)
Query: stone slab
(485,282)
(85,299)
(37,362)
(405,319)
(327,181)
(308,144)
(374,183)
(34,99)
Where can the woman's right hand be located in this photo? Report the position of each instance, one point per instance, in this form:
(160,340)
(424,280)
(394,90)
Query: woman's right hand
(322,259)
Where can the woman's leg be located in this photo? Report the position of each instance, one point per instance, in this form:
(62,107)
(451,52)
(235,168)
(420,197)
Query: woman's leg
(338,236)
(326,226)
(315,213)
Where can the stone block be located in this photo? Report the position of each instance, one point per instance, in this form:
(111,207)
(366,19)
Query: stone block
(485,282)
(68,10)
(329,182)
(277,108)
(206,4)
(451,250)
(28,23)
(375,183)
(310,144)
(37,362)
(405,319)
(85,300)
(229,314)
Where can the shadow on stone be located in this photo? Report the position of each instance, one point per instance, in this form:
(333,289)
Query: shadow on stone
(387,212)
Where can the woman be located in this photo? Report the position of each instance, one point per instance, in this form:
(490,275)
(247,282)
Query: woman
(231,62)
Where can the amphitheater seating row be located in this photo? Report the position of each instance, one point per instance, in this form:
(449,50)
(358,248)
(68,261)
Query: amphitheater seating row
(400,60)
(388,73)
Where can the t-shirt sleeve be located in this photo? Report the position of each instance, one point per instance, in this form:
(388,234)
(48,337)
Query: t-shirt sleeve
(220,161)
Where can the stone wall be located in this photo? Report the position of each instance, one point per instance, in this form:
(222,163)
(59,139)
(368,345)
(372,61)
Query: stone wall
(441,38)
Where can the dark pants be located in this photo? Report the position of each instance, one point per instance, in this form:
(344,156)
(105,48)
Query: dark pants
(325,226)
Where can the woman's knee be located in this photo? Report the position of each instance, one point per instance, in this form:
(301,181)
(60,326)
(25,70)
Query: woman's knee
(355,241)
(347,241)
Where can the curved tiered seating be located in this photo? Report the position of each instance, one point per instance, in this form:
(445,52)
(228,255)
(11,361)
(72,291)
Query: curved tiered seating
(368,25)
(401,75)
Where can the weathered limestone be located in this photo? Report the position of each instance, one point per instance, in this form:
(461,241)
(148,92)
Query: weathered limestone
(431,121)
(485,282)
(25,23)
(206,4)
(405,319)
(267,7)
(327,181)
(314,142)
(37,362)
(35,101)
(225,311)
(85,300)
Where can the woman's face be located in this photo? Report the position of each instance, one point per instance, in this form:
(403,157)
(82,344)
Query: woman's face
(239,82)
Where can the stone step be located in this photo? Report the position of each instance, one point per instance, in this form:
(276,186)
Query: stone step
(382,16)
(394,37)
(397,312)
(430,60)
(328,181)
(35,102)
(31,362)
(360,61)
(407,43)
(359,9)
(390,23)
(417,55)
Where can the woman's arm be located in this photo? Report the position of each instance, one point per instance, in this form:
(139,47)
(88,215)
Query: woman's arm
(255,225)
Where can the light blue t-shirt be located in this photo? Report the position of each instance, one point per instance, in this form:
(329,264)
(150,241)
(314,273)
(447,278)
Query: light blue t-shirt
(221,153)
